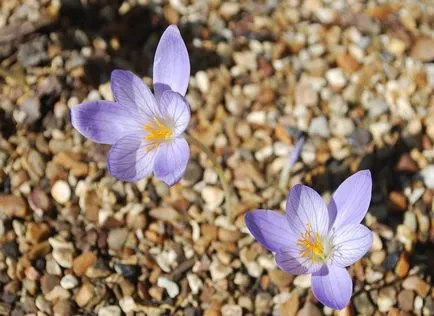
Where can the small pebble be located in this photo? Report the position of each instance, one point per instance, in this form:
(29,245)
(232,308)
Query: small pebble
(61,192)
(171,287)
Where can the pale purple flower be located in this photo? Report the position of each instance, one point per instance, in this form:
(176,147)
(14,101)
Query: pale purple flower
(145,129)
(313,238)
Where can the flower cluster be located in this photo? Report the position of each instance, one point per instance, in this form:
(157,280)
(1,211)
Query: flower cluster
(145,129)
(319,239)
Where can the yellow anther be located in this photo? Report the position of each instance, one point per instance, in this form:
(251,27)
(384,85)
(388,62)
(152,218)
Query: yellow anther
(157,131)
(312,245)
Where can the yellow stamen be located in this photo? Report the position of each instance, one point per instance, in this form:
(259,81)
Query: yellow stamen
(312,245)
(158,131)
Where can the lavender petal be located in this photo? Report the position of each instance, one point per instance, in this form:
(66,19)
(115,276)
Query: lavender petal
(171,160)
(103,122)
(332,286)
(289,259)
(131,158)
(177,109)
(350,243)
(306,209)
(131,92)
(351,199)
(269,228)
(171,63)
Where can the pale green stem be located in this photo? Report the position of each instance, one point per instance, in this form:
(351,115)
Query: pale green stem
(218,169)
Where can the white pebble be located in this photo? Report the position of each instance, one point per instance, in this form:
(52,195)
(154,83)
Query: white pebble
(171,287)
(111,310)
(127,304)
(428,176)
(69,282)
(194,282)
(336,78)
(61,191)
(202,81)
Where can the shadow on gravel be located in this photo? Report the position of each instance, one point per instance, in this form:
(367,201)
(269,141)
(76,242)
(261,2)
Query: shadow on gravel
(137,33)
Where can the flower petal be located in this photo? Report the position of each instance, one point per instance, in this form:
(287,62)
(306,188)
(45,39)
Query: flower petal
(131,92)
(333,211)
(350,243)
(289,259)
(171,63)
(352,199)
(305,207)
(171,160)
(103,122)
(131,158)
(177,109)
(332,286)
(269,228)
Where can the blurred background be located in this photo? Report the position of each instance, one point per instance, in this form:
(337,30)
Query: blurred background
(356,77)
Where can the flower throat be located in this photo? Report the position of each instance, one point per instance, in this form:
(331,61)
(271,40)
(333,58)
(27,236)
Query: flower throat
(158,131)
(312,245)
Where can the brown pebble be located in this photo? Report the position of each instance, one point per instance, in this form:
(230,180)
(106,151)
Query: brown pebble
(290,307)
(71,161)
(406,164)
(208,234)
(347,62)
(394,312)
(416,284)
(309,309)
(48,282)
(83,262)
(13,206)
(12,287)
(265,282)
(381,11)
(39,201)
(170,14)
(346,311)
(397,201)
(423,49)
(39,250)
(280,278)
(266,96)
(378,257)
(402,266)
(422,288)
(63,307)
(428,197)
(84,294)
(37,232)
(156,293)
(282,134)
(226,235)
(405,300)
(211,312)
(91,206)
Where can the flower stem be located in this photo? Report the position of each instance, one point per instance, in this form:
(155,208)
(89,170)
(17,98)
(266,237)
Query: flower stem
(218,169)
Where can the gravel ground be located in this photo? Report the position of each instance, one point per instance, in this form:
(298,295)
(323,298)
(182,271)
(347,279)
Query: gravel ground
(356,77)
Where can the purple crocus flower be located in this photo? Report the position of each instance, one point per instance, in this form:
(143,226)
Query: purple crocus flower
(145,129)
(313,238)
